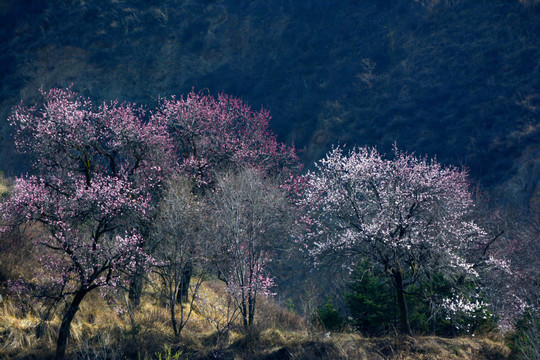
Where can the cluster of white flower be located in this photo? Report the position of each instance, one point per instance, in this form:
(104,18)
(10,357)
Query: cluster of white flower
(460,305)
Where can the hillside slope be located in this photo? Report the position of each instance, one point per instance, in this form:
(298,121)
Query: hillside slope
(457,79)
(100,332)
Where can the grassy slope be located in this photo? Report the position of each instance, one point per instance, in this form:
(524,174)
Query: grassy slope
(99,332)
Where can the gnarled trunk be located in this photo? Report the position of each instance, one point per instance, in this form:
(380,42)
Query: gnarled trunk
(136,284)
(174,324)
(69,314)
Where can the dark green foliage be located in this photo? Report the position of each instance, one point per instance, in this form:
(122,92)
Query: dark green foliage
(291,307)
(425,299)
(329,317)
(433,318)
(525,340)
(371,301)
(373,308)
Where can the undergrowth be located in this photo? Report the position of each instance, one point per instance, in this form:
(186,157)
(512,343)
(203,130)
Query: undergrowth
(101,332)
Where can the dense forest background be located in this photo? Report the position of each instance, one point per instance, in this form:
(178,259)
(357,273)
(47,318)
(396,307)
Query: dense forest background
(454,79)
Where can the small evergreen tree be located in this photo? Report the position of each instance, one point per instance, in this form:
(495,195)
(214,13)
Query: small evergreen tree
(371,302)
(329,317)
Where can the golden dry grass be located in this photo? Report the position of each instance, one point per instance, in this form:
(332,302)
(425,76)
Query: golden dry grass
(98,332)
(4,183)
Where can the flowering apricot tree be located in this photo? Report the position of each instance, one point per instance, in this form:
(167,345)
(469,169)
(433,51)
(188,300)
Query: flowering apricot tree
(98,168)
(213,135)
(409,215)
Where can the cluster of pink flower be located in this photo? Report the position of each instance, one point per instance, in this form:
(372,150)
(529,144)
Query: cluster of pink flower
(100,169)
(212,134)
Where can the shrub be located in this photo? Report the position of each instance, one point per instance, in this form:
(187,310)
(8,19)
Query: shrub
(525,341)
(433,305)
(329,317)
(370,302)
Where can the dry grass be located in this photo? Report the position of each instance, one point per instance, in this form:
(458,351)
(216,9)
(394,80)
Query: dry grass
(18,333)
(272,315)
(98,332)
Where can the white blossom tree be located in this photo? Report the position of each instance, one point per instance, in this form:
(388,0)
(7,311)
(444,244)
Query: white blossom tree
(409,215)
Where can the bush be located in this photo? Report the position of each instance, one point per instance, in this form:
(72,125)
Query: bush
(434,309)
(371,302)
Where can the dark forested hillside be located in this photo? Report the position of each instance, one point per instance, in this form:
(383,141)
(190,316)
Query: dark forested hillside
(453,78)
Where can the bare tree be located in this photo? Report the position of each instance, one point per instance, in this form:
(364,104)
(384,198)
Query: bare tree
(177,237)
(249,220)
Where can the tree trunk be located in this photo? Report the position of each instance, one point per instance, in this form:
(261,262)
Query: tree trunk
(173,317)
(183,292)
(244,311)
(136,284)
(69,314)
(432,319)
(251,316)
(402,304)
(137,279)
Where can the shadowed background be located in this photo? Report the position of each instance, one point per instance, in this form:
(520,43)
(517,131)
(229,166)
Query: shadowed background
(455,79)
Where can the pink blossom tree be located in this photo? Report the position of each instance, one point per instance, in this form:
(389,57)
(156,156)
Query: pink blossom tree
(515,237)
(411,216)
(98,168)
(213,136)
